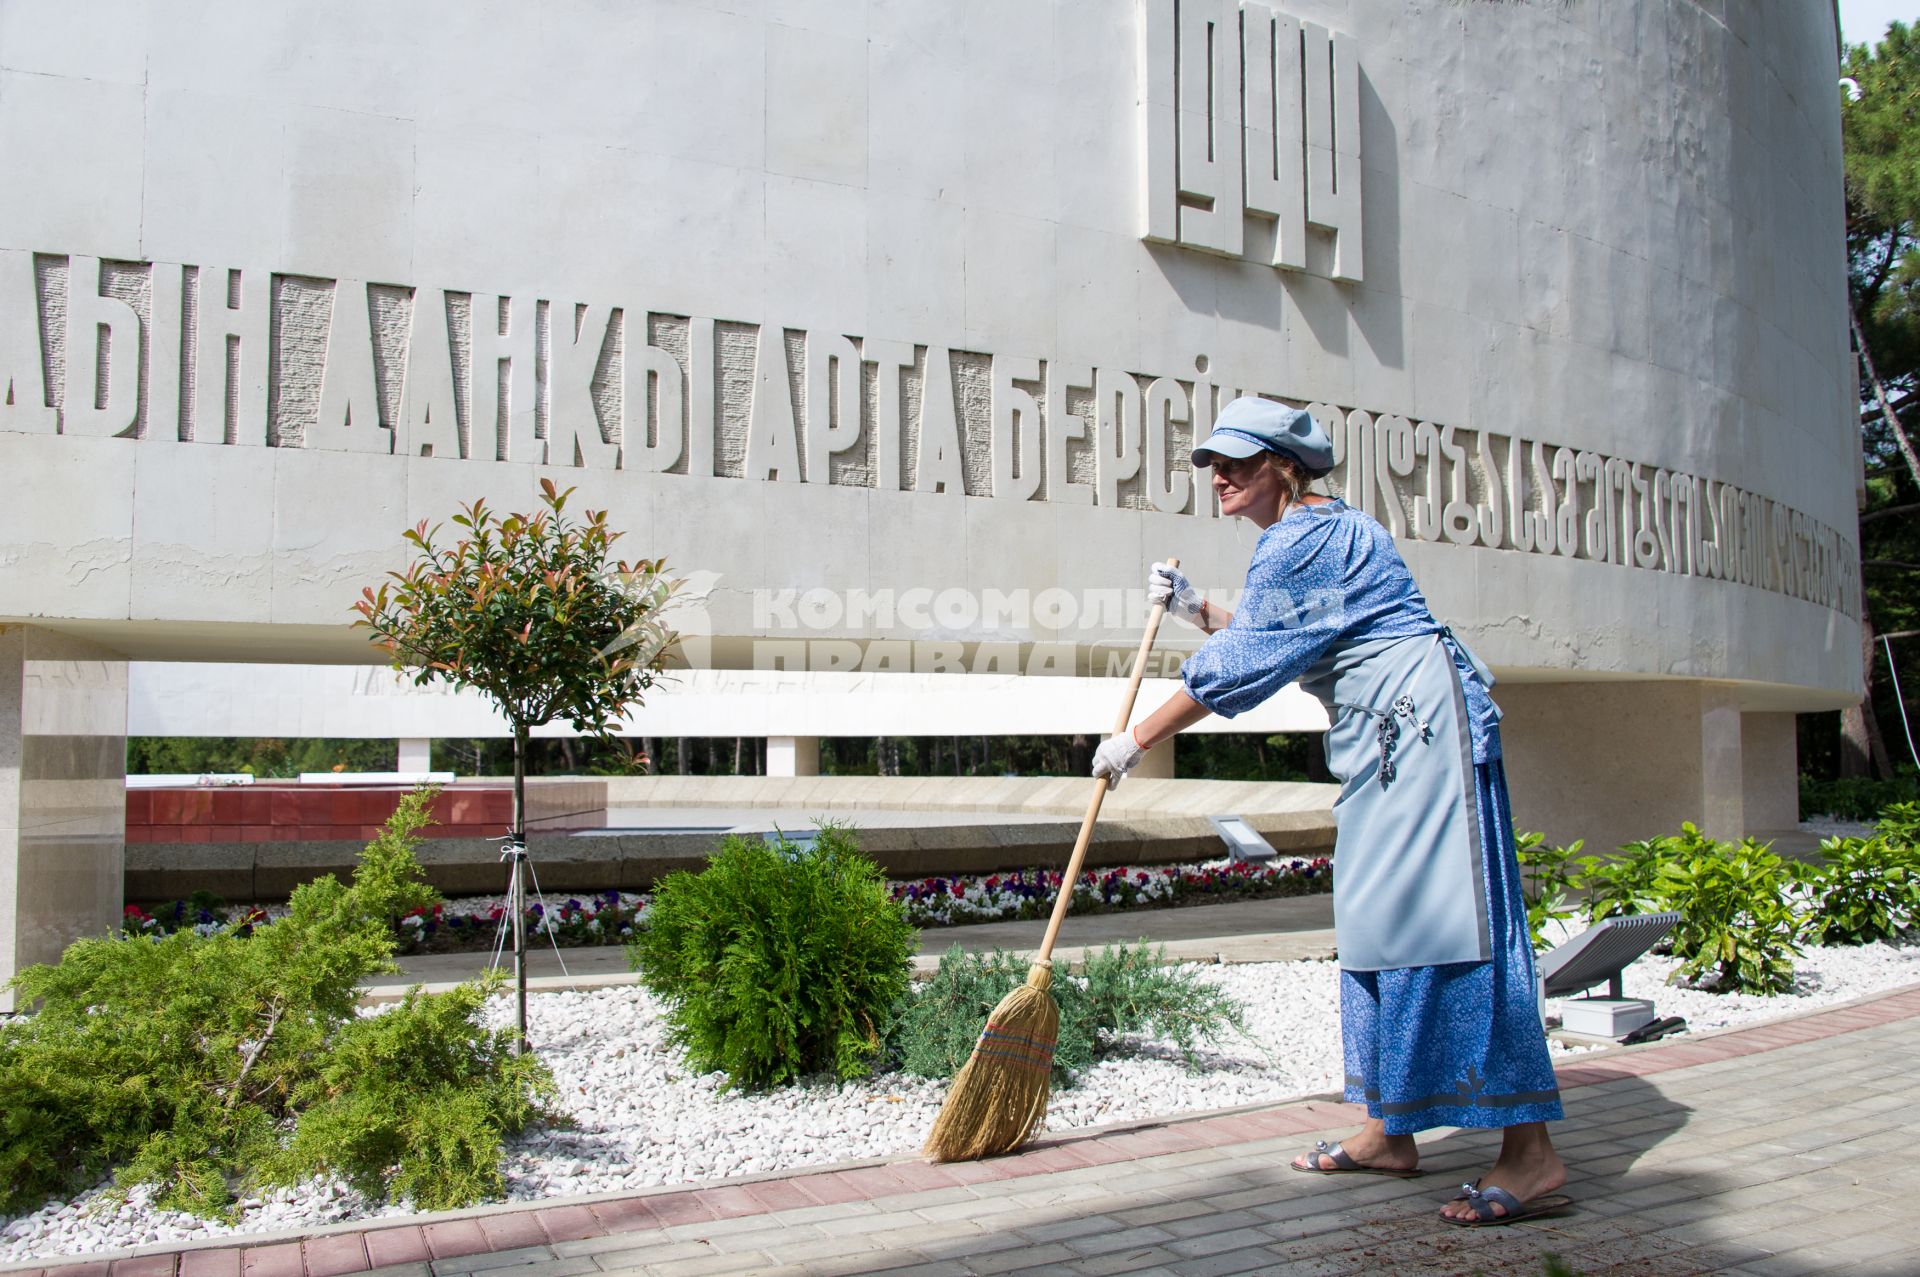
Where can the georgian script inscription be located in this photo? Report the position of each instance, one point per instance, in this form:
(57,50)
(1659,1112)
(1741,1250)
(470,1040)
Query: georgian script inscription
(1250,114)
(251,358)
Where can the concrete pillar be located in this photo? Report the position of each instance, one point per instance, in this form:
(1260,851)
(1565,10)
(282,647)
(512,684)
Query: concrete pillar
(793,755)
(416,754)
(1615,761)
(1770,765)
(1723,779)
(63,813)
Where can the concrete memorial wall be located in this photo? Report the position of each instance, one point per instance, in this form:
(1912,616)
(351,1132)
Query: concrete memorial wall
(892,324)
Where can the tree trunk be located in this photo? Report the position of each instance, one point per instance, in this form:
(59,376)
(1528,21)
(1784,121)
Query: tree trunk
(650,746)
(1080,755)
(680,757)
(516,889)
(1880,395)
(1861,744)
(713,756)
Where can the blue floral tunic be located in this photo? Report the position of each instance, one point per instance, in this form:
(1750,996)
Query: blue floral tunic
(1449,1043)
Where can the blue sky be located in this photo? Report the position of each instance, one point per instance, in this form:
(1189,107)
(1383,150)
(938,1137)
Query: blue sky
(1865,21)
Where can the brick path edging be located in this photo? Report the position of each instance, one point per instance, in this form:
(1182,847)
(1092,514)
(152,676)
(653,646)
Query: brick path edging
(362,1245)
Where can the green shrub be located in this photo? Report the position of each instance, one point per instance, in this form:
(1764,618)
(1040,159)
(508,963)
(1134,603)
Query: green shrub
(1738,928)
(778,961)
(1125,990)
(1549,876)
(1631,882)
(1854,797)
(936,1030)
(185,1061)
(416,1101)
(1862,890)
(1899,824)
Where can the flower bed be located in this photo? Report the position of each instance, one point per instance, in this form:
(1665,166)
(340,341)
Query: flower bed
(960,900)
(609,917)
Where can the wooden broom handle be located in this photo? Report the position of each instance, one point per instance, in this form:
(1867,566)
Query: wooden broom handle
(1072,875)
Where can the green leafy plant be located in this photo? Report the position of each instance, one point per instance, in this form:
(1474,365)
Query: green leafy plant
(1549,878)
(1123,991)
(1899,824)
(1738,928)
(1630,882)
(778,960)
(531,611)
(414,1102)
(1862,890)
(201,1063)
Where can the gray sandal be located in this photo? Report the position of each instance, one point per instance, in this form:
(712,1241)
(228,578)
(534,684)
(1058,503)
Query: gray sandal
(1343,1164)
(1482,1201)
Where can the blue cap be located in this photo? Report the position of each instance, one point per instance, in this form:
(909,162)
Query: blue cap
(1250,425)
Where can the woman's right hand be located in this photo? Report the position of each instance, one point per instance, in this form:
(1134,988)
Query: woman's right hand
(1167,585)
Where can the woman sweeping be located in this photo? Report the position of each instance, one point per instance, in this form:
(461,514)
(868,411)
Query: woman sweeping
(1437,1007)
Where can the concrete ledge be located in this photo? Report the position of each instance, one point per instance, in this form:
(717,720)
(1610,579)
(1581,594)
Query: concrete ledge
(635,862)
(1029,795)
(1144,821)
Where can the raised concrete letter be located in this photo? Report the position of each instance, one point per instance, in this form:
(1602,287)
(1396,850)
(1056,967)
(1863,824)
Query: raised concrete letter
(937,468)
(349,419)
(23,377)
(1016,430)
(773,449)
(576,334)
(238,314)
(505,332)
(428,424)
(833,401)
(87,313)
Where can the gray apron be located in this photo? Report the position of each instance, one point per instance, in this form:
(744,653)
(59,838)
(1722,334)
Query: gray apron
(1408,879)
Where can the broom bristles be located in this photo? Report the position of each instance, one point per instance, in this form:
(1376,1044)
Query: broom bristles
(999,1098)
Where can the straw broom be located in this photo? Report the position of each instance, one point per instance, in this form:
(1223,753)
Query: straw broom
(1000,1097)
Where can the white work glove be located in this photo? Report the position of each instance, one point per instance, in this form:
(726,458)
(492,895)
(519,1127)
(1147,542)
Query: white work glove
(1117,756)
(1167,584)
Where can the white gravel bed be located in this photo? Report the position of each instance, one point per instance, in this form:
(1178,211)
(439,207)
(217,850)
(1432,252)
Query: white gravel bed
(641,1119)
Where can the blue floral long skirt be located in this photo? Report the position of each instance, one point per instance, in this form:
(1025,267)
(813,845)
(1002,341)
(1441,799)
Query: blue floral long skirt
(1460,1044)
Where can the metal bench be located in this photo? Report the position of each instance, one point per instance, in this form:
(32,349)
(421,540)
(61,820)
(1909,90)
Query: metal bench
(1602,953)
(1244,842)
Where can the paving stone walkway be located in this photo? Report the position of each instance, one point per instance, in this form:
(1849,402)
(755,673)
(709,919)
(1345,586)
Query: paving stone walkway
(1783,1149)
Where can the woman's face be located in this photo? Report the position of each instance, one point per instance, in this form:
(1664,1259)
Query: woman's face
(1249,487)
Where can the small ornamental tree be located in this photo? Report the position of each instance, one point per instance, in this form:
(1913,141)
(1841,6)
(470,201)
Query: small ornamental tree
(532,611)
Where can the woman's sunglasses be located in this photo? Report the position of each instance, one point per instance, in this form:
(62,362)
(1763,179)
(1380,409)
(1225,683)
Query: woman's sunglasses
(1234,467)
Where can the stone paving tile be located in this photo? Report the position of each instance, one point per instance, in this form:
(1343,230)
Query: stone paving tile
(510,1231)
(214,1262)
(1025,1258)
(389,1247)
(335,1254)
(143,1266)
(568,1223)
(454,1238)
(1223,1263)
(480,1261)
(1122,1261)
(660,1252)
(280,1260)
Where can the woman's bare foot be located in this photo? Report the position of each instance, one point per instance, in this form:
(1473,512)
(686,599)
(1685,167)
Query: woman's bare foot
(1372,1147)
(1528,1168)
